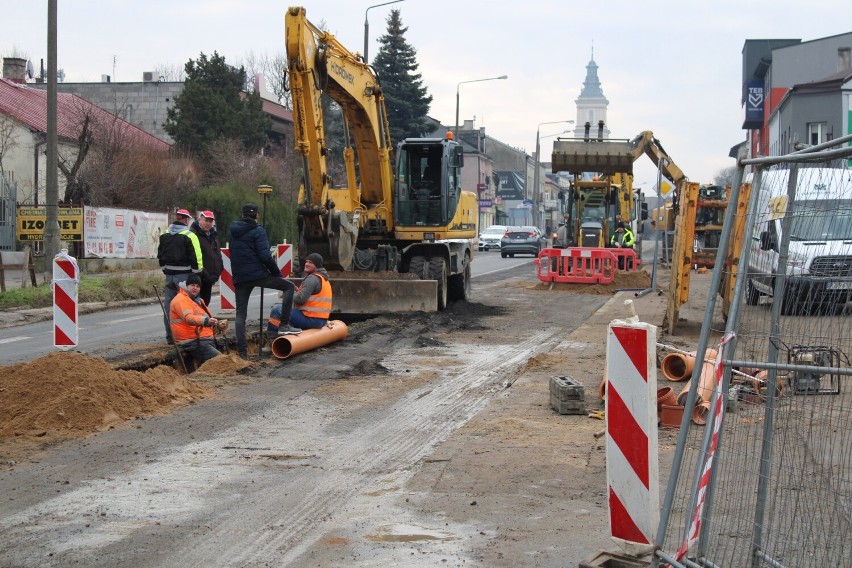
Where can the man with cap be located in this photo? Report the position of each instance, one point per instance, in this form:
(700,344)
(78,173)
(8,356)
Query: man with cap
(622,238)
(252,266)
(312,300)
(211,252)
(192,325)
(179,254)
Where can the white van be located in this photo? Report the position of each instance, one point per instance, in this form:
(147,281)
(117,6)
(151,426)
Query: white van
(819,264)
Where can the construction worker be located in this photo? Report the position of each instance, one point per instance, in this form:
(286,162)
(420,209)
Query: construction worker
(253,267)
(211,252)
(623,237)
(179,254)
(312,301)
(192,325)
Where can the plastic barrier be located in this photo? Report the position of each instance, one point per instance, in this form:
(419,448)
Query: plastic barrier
(66,280)
(577,265)
(628,260)
(227,293)
(285,259)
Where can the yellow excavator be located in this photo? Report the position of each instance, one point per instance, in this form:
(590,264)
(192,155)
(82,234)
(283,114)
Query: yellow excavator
(399,230)
(601,193)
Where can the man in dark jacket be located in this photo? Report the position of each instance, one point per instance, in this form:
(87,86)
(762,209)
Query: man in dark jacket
(252,266)
(211,252)
(179,254)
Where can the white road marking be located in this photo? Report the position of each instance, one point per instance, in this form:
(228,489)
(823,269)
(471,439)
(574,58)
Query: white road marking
(14,339)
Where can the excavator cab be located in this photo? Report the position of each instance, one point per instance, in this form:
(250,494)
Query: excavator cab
(427,177)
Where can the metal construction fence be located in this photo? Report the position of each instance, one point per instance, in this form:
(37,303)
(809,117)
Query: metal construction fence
(8,194)
(768,480)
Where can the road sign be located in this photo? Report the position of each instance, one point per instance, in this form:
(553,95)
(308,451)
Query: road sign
(481,186)
(485,203)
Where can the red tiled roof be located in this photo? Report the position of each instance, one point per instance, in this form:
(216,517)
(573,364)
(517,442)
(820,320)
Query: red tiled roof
(277,110)
(29,106)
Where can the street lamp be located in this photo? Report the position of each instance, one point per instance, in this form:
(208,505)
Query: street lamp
(367,24)
(536,220)
(456,131)
(263,190)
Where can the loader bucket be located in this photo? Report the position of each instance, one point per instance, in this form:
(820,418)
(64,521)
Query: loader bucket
(603,156)
(381,293)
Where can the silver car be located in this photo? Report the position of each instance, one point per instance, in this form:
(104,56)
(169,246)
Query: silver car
(490,237)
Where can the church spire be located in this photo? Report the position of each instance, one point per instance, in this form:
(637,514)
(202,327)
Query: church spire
(592,85)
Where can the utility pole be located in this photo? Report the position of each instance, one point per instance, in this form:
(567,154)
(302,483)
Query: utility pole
(51,201)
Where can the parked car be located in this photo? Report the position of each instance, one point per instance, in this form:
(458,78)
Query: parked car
(521,240)
(490,237)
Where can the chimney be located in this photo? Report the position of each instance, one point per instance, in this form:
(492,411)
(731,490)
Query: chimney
(15,69)
(844,58)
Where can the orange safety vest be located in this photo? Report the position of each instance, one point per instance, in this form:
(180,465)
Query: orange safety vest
(318,305)
(186,317)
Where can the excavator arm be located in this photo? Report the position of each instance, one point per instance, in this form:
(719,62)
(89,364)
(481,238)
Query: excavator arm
(317,63)
(646,143)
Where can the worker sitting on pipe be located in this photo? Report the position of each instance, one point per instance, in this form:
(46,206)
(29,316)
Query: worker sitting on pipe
(191,323)
(312,301)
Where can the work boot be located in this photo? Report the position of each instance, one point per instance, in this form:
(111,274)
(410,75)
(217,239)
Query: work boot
(243,354)
(289,330)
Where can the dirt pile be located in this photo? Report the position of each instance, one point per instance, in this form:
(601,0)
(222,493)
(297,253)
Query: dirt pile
(68,394)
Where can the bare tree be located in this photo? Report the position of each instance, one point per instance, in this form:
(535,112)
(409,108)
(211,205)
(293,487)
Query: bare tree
(274,71)
(170,73)
(725,176)
(8,139)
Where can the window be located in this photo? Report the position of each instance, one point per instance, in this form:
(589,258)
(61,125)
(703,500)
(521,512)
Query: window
(816,133)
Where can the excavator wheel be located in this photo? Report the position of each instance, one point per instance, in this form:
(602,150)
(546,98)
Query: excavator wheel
(459,285)
(438,271)
(418,266)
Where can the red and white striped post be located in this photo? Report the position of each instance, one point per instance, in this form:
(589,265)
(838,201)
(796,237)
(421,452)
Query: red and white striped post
(66,280)
(631,426)
(227,293)
(285,260)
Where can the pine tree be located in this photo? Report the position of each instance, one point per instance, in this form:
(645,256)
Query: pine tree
(213,106)
(406,98)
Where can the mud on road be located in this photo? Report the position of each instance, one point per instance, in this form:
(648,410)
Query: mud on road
(418,441)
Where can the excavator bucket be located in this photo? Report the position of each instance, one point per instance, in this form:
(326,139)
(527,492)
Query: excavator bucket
(602,156)
(381,293)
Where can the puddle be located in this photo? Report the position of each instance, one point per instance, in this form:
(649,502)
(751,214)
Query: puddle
(408,533)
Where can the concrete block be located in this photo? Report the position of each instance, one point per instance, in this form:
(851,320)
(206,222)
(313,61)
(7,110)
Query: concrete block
(567,406)
(566,388)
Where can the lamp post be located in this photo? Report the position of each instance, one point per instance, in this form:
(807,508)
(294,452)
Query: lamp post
(367,24)
(456,131)
(536,219)
(263,190)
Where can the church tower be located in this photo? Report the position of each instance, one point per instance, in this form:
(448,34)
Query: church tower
(591,104)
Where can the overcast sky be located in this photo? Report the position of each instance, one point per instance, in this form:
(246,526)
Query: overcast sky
(670,67)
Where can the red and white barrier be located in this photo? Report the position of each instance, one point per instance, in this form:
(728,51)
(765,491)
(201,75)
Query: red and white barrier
(631,426)
(285,260)
(227,293)
(65,283)
(717,418)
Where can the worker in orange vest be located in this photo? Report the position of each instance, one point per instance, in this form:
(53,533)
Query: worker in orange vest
(312,301)
(191,322)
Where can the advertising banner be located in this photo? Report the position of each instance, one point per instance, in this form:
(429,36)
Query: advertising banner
(31,221)
(122,233)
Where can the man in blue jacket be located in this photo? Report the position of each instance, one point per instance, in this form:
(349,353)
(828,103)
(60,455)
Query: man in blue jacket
(252,266)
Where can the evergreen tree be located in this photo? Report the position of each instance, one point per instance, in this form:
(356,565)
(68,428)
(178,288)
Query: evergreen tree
(213,106)
(406,98)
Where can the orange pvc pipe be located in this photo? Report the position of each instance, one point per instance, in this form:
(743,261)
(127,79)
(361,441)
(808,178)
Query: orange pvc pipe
(678,367)
(706,383)
(286,345)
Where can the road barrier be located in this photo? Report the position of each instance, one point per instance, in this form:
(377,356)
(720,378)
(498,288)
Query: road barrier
(227,294)
(631,425)
(285,259)
(65,283)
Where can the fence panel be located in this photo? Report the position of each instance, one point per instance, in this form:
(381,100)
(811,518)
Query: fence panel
(780,489)
(8,193)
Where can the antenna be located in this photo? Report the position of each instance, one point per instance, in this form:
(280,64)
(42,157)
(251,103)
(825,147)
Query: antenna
(30,69)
